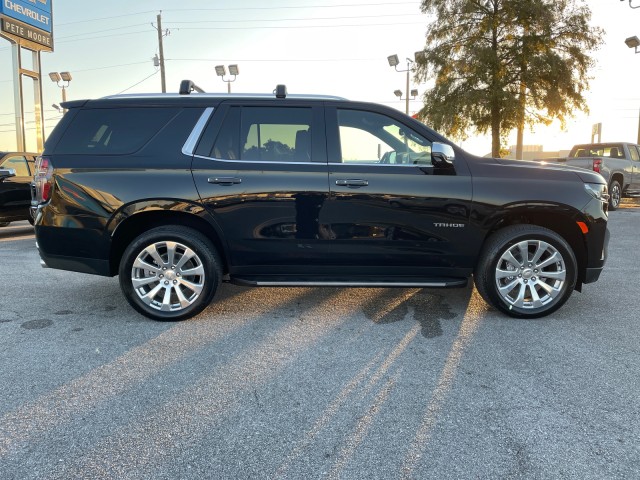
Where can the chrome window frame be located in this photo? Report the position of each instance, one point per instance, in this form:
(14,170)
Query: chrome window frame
(190,145)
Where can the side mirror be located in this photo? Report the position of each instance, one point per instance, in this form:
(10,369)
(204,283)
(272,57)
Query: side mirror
(7,173)
(442,154)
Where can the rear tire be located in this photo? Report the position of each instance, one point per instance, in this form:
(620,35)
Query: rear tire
(526,271)
(170,273)
(615,195)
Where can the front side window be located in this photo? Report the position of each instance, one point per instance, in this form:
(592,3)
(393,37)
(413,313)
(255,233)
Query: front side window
(18,163)
(633,151)
(372,138)
(265,134)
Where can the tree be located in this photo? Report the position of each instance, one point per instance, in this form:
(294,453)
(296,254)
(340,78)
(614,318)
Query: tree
(504,64)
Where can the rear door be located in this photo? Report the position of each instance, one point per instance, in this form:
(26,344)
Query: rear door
(261,171)
(392,210)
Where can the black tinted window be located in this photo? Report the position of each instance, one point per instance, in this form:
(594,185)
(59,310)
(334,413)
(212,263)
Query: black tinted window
(269,134)
(114,130)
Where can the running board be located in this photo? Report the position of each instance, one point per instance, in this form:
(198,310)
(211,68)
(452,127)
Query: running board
(309,282)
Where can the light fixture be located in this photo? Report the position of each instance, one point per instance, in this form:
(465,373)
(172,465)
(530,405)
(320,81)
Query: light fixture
(414,93)
(637,6)
(221,71)
(397,93)
(54,76)
(66,76)
(633,42)
(393,60)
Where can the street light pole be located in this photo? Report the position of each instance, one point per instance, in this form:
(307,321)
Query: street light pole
(394,61)
(163,81)
(62,79)
(634,42)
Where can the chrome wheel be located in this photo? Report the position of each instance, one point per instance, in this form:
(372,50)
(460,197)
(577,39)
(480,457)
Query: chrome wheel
(168,276)
(615,195)
(530,274)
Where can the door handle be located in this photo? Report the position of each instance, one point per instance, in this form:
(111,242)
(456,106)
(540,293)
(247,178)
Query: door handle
(354,182)
(224,180)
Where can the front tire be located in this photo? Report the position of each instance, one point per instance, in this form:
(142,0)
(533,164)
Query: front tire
(526,271)
(615,195)
(170,273)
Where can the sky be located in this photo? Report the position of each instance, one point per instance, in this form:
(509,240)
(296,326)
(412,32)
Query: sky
(312,46)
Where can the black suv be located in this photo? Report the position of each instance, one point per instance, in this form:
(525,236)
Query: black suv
(16,175)
(178,192)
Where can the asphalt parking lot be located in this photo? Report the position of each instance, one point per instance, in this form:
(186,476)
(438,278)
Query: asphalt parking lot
(317,383)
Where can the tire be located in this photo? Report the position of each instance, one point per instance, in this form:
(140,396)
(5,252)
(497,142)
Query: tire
(526,289)
(167,289)
(615,195)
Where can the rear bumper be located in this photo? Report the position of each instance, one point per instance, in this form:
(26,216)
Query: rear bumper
(71,248)
(75,264)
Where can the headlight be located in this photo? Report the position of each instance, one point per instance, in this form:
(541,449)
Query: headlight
(597,190)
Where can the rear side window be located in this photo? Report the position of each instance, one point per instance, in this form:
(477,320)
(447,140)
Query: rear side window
(113,131)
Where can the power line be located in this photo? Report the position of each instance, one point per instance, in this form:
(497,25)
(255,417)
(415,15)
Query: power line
(297,60)
(303,19)
(135,84)
(100,31)
(287,7)
(302,26)
(290,7)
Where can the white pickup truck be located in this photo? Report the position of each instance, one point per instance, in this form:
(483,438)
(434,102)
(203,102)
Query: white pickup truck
(617,162)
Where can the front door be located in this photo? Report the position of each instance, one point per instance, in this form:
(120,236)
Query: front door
(392,209)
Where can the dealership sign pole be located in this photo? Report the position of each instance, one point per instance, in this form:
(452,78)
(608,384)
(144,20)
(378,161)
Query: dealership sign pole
(27,24)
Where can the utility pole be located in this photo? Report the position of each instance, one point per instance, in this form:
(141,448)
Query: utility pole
(161,51)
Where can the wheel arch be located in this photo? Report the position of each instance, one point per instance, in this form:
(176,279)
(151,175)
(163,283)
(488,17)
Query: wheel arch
(563,223)
(619,177)
(143,219)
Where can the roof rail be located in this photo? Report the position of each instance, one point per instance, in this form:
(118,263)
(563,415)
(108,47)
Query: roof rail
(187,86)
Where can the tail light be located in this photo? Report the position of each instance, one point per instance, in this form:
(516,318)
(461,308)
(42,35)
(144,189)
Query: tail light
(43,179)
(597,164)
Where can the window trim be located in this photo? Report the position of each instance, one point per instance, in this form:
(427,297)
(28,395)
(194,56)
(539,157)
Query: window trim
(192,141)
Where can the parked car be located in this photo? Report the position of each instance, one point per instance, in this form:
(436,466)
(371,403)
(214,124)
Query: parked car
(178,192)
(16,174)
(617,162)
